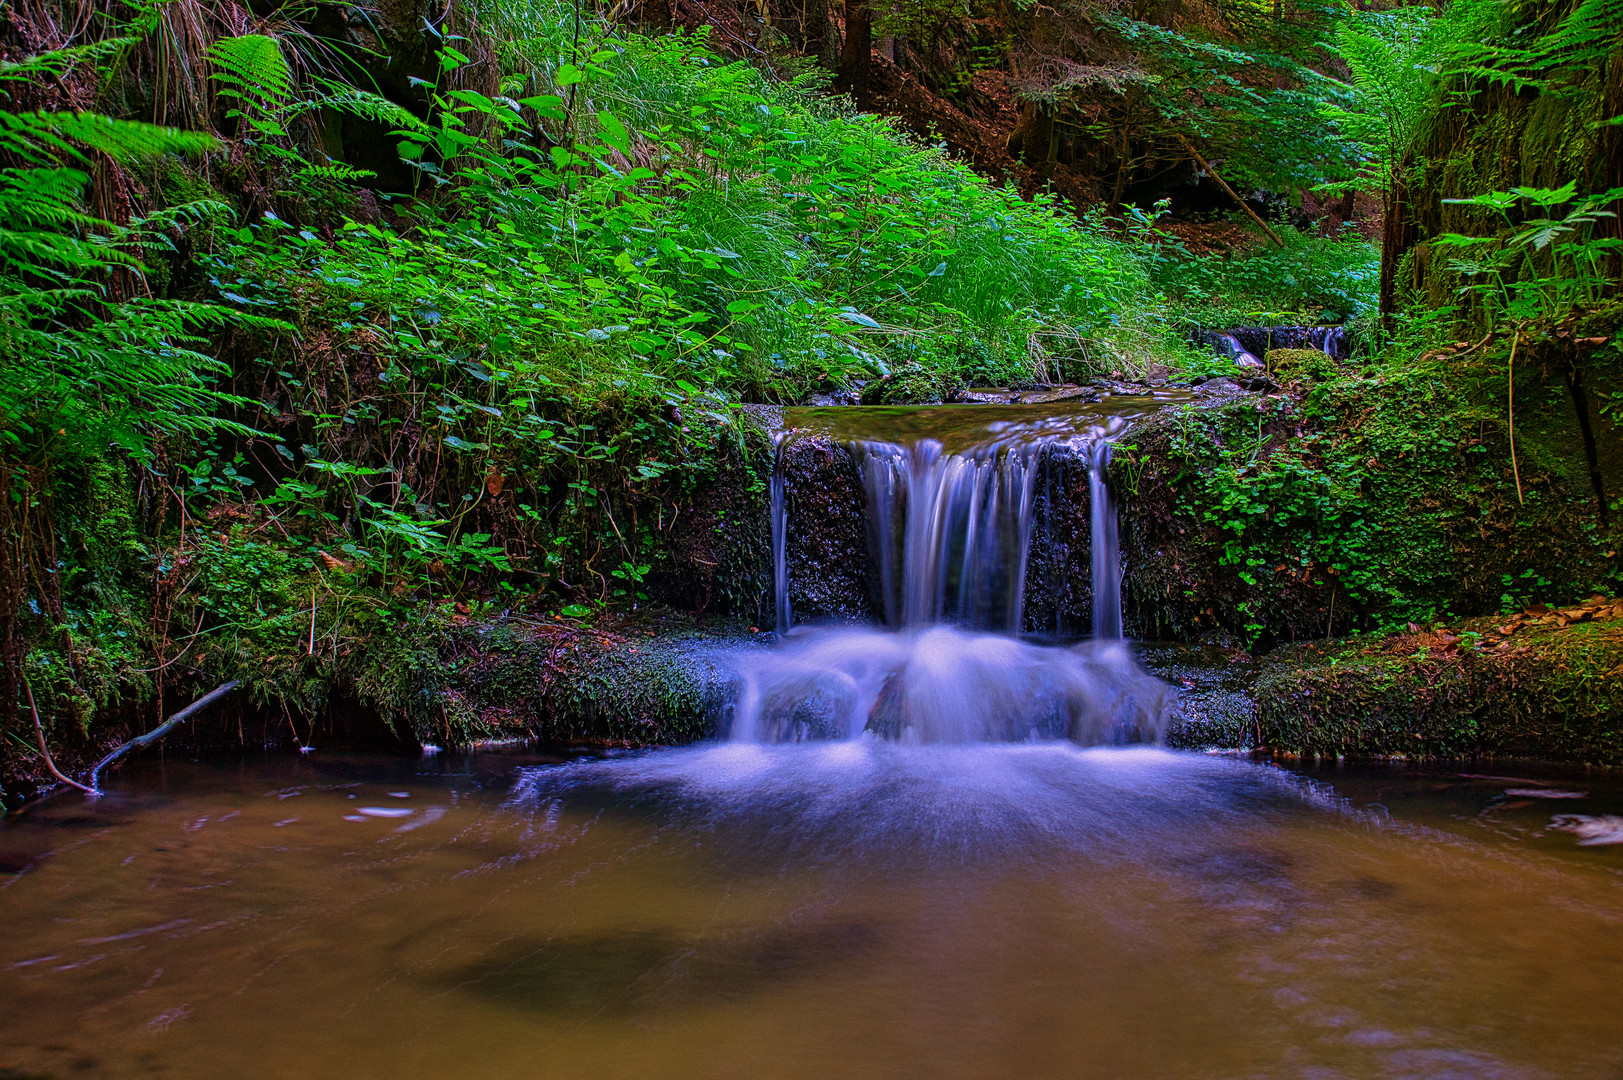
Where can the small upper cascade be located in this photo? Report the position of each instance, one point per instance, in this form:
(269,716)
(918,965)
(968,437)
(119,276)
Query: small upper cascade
(1248,346)
(949,507)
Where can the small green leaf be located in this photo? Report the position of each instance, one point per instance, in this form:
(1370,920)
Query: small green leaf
(615,133)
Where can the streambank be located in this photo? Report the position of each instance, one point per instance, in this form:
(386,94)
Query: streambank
(1550,688)
(450,680)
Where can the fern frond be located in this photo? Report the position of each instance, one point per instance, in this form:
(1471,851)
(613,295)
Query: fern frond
(58,62)
(253,69)
(37,137)
(181,215)
(334,173)
(362,104)
(1591,33)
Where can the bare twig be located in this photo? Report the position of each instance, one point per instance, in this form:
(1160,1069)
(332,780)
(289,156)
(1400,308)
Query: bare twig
(157,733)
(39,732)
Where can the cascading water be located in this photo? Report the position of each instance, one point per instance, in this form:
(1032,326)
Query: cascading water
(780,539)
(949,520)
(964,529)
(1105,548)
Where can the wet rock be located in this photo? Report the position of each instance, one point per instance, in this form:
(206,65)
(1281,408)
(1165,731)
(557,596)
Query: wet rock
(803,712)
(718,553)
(1550,695)
(915,386)
(827,545)
(1215,690)
(1258,340)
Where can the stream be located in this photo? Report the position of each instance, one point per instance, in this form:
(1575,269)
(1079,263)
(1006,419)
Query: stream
(935,845)
(863,909)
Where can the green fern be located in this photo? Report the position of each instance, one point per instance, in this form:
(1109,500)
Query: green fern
(253,69)
(40,137)
(82,372)
(334,173)
(359,103)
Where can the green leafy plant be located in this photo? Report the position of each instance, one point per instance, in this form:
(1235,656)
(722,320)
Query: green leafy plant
(1542,267)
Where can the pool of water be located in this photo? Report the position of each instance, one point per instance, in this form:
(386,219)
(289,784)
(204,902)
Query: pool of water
(959,428)
(853,909)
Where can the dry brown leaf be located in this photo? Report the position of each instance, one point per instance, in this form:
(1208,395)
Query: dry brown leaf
(494,483)
(333,562)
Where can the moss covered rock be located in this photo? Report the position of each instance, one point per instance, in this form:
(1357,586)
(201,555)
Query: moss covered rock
(1550,689)
(915,385)
(1310,364)
(561,682)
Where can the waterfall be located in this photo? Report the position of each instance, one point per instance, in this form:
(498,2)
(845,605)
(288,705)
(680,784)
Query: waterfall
(949,530)
(1247,345)
(1104,547)
(780,540)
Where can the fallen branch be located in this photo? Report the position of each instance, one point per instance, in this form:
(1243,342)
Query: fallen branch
(1187,145)
(39,732)
(157,733)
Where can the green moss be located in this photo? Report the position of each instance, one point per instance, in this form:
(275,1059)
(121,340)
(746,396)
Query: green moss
(1311,364)
(561,683)
(915,385)
(1557,695)
(1369,500)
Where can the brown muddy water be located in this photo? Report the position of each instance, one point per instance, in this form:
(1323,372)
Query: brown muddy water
(853,909)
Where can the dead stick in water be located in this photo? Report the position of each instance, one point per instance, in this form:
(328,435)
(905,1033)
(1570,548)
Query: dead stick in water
(39,732)
(1187,145)
(1510,418)
(159,732)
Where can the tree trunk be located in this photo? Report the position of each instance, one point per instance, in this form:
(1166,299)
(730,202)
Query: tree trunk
(822,37)
(1032,139)
(854,58)
(1119,192)
(1397,237)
